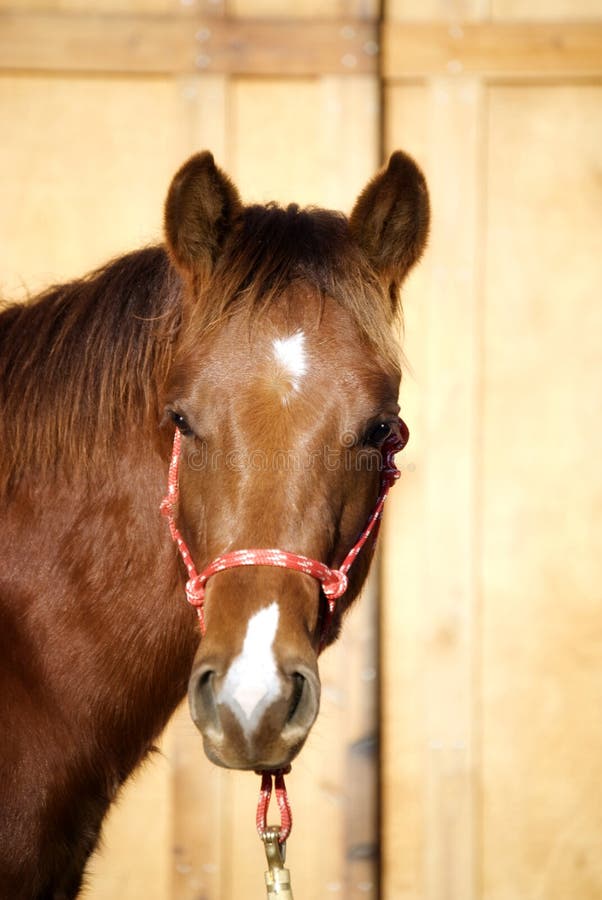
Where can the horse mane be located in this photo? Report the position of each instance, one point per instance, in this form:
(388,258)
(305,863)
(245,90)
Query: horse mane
(82,359)
(271,248)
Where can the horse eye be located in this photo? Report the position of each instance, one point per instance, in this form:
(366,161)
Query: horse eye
(181,423)
(379,434)
(397,433)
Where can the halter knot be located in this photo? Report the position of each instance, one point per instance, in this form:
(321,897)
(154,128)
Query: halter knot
(195,591)
(335,584)
(195,595)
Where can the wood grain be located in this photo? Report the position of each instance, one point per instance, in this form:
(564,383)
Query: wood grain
(542,497)
(430,547)
(493,50)
(176,44)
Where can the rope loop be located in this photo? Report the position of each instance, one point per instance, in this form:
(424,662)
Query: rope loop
(265,794)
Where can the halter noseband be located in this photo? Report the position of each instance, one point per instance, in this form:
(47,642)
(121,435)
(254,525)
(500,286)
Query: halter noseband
(334,582)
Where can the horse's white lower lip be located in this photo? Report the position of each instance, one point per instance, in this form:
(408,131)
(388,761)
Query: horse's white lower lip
(252,682)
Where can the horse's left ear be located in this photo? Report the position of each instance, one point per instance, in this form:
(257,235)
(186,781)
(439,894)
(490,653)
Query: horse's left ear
(390,220)
(201,206)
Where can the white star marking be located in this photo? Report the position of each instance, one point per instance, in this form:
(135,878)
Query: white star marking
(290,354)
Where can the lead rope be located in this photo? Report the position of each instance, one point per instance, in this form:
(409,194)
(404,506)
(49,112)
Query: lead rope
(334,583)
(265,794)
(277,878)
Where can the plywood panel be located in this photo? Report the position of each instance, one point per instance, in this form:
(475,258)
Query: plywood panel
(429,617)
(203,114)
(271,120)
(455,10)
(428,10)
(318,134)
(84,174)
(542,502)
(195,847)
(307,9)
(551,9)
(361,817)
(163,45)
(122,6)
(510,51)
(134,861)
(282,8)
(347,137)
(255,8)
(402,604)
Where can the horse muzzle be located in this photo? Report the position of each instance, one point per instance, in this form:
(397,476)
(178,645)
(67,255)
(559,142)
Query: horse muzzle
(254,719)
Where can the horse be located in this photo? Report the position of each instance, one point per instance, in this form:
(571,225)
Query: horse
(261,340)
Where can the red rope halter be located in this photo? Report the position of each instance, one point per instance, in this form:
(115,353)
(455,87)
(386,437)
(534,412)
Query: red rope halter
(334,583)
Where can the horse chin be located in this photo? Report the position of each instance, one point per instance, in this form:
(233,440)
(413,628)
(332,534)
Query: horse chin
(239,758)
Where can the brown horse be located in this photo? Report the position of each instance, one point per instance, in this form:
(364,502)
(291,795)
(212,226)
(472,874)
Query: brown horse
(266,336)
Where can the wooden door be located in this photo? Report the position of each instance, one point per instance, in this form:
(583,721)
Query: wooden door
(492,605)
(490,589)
(99,104)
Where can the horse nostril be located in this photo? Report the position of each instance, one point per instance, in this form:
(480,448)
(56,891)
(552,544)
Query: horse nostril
(298,688)
(304,703)
(205,686)
(201,699)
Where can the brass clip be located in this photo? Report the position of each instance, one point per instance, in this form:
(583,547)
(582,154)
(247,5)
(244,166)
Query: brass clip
(277,878)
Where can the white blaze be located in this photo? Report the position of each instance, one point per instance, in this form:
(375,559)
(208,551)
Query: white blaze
(252,683)
(290,354)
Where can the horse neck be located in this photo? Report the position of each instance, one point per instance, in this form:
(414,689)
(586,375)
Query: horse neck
(111,627)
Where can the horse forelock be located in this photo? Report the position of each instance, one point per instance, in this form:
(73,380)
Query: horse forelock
(271,249)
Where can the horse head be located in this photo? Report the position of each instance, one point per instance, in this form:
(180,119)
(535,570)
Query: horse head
(284,391)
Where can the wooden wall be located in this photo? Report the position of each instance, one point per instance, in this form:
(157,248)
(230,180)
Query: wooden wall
(100,110)
(490,602)
(492,598)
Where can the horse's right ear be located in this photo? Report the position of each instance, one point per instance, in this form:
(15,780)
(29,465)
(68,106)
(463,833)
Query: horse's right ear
(201,206)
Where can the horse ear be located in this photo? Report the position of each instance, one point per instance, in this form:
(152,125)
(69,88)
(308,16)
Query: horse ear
(201,206)
(390,220)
